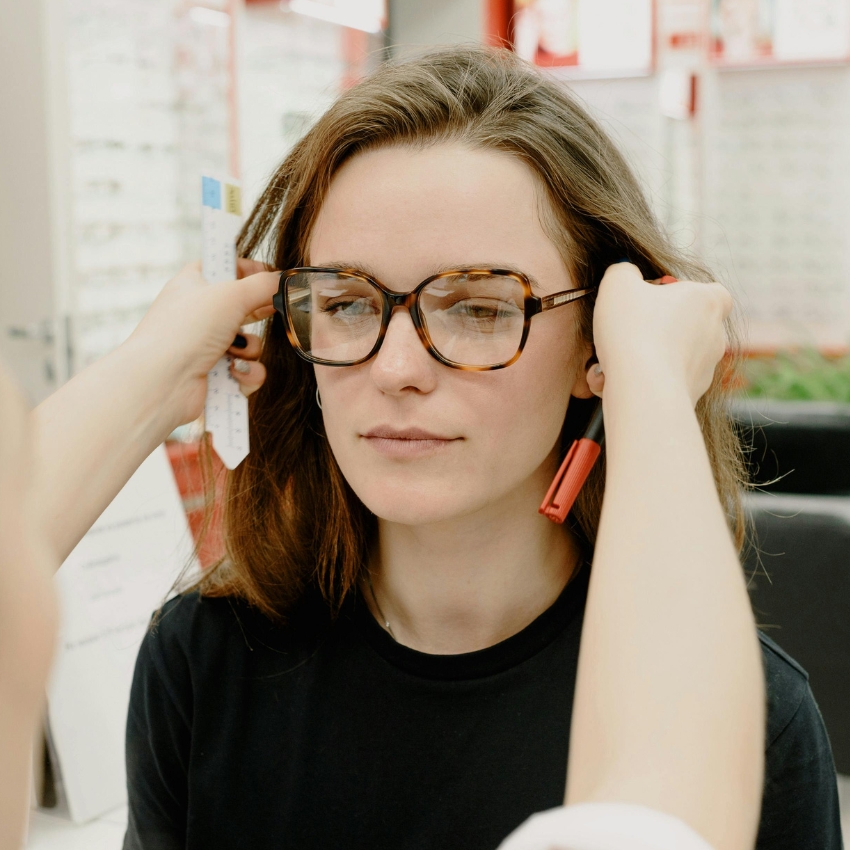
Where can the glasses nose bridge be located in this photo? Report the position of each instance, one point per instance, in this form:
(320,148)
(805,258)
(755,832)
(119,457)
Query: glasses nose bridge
(410,301)
(401,299)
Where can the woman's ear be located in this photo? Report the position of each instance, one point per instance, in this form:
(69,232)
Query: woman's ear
(581,388)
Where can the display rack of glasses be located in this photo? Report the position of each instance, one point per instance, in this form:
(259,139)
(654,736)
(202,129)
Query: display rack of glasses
(585,38)
(778,200)
(755,180)
(150,106)
(748,163)
(153,93)
(757,33)
(291,67)
(777,157)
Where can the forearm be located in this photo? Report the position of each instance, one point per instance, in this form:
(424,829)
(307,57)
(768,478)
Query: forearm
(28,622)
(92,435)
(25,648)
(669,704)
(17,727)
(27,632)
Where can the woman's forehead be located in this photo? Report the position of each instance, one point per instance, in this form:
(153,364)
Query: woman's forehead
(404,211)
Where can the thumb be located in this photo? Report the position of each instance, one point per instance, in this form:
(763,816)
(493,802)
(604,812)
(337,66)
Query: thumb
(255,291)
(596,379)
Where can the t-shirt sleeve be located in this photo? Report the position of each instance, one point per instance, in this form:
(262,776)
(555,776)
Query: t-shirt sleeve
(800,809)
(604,826)
(157,747)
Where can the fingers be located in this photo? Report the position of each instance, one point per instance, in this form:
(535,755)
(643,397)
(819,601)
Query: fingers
(246,267)
(252,350)
(723,297)
(622,270)
(259,315)
(596,379)
(250,375)
(720,293)
(255,292)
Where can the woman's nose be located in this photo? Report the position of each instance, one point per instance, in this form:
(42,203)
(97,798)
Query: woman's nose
(403,363)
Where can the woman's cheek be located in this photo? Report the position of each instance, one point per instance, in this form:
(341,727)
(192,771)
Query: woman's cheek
(510,420)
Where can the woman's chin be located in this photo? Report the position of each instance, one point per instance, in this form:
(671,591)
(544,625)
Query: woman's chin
(419,505)
(409,513)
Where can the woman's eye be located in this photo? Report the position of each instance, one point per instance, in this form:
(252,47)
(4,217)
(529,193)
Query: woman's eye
(349,308)
(485,310)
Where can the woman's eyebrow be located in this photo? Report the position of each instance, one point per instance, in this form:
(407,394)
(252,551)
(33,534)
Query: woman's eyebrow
(535,285)
(344,265)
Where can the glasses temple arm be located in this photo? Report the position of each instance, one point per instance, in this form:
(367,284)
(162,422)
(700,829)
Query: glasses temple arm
(557,299)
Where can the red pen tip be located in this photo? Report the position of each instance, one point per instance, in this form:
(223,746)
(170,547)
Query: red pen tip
(570,479)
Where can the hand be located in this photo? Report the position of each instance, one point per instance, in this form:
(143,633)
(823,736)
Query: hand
(645,332)
(192,324)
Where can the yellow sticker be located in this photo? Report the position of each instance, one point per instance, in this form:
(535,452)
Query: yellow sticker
(232,199)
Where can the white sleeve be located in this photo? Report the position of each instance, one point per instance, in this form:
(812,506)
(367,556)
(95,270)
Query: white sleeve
(604,826)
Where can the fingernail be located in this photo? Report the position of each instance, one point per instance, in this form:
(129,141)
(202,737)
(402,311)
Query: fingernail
(239,341)
(597,369)
(242,366)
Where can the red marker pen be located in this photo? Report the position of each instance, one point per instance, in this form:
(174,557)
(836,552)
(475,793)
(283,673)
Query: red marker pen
(579,461)
(575,469)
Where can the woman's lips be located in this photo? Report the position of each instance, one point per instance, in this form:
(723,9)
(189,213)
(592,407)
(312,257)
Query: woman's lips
(406,442)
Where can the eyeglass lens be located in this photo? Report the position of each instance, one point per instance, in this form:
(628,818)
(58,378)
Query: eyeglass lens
(471,319)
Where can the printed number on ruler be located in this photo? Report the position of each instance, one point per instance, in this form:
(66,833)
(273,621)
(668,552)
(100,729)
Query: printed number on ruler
(226,412)
(227,415)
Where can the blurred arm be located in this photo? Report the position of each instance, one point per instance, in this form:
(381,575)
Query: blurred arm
(93,433)
(28,617)
(669,708)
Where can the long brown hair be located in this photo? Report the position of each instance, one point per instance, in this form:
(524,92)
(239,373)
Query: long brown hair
(291,520)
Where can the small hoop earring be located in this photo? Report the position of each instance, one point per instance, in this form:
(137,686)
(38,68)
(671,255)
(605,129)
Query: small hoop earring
(318,398)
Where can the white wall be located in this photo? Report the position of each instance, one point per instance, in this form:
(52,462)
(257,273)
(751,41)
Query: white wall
(29,235)
(415,24)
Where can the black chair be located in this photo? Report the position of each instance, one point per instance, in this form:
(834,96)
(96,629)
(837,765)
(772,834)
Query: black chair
(796,447)
(803,546)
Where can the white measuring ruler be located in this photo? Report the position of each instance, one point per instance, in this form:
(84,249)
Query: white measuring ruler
(226,411)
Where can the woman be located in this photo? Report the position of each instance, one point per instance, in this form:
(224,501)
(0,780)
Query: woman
(387,656)
(616,807)
(159,378)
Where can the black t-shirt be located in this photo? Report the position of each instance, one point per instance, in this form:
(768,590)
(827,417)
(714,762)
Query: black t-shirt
(327,734)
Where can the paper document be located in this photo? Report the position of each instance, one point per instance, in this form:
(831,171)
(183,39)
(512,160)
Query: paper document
(226,412)
(109,586)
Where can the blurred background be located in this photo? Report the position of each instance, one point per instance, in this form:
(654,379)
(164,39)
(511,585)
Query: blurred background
(734,113)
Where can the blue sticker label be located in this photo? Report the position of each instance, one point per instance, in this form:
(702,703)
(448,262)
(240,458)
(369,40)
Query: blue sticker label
(211,193)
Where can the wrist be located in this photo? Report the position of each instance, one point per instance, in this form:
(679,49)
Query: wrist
(644,397)
(643,375)
(153,381)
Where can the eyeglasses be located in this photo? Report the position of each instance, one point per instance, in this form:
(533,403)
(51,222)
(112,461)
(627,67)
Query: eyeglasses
(473,319)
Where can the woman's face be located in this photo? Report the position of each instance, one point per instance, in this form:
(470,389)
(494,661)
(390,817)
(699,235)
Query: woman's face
(420,442)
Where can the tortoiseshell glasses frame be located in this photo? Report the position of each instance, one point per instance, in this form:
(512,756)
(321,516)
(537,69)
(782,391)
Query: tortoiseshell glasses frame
(390,299)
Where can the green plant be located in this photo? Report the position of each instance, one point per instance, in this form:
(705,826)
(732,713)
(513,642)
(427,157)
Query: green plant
(798,375)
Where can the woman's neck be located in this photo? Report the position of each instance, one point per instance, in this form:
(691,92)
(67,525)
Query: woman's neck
(468,583)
